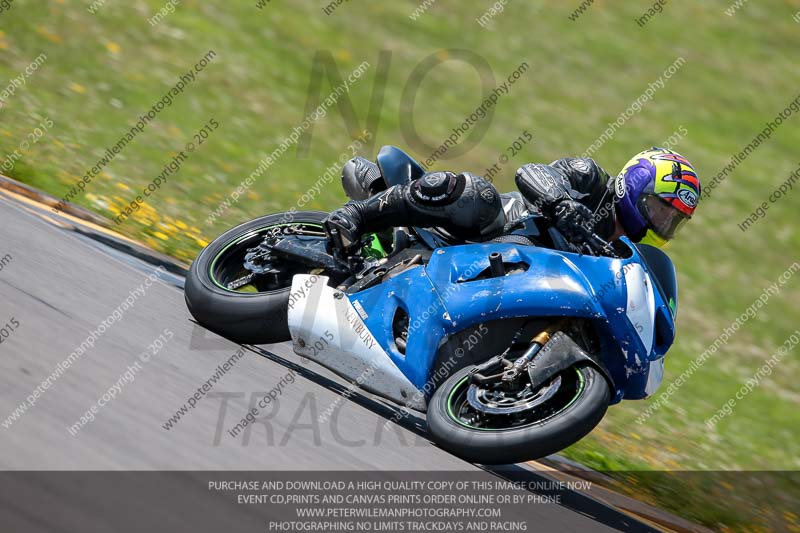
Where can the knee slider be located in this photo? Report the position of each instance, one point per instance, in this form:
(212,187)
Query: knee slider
(477,209)
(480,202)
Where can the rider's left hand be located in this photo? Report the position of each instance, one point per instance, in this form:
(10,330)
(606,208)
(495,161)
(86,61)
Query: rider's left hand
(343,232)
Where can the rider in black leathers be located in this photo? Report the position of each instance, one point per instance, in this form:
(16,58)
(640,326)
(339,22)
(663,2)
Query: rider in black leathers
(574,193)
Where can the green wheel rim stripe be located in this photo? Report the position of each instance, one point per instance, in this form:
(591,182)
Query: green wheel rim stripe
(581,388)
(242,238)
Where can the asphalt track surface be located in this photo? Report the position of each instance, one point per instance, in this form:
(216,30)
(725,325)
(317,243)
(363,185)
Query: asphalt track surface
(60,285)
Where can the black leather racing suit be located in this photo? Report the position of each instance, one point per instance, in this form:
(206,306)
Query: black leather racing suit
(576,194)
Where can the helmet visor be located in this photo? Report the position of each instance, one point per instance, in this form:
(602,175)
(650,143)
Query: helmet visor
(662,218)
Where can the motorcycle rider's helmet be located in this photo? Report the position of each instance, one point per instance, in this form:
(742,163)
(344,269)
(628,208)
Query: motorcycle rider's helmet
(656,193)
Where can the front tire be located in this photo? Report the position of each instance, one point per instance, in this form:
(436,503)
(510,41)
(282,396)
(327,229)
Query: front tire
(247,315)
(565,417)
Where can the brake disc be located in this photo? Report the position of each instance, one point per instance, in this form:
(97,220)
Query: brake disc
(498,402)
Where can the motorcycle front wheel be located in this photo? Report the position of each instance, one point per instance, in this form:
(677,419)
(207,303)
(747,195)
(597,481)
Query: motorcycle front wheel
(226,298)
(487,424)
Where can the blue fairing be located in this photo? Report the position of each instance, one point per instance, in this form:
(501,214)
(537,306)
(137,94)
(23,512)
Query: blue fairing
(634,324)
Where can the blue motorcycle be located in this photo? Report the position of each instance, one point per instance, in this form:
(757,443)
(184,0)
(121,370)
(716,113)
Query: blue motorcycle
(514,348)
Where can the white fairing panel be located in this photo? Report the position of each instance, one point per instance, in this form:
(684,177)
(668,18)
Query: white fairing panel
(326,328)
(641,306)
(655,376)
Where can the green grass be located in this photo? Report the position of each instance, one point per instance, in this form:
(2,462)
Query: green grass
(102,71)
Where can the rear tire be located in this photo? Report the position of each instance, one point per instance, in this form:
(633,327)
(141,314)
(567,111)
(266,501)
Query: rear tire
(579,414)
(258,318)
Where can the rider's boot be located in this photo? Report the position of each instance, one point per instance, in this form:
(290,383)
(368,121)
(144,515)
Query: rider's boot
(361,178)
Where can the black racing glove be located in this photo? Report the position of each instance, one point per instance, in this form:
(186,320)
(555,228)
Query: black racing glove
(343,228)
(575,221)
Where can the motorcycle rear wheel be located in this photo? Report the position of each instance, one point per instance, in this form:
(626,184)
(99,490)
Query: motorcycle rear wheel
(255,312)
(564,411)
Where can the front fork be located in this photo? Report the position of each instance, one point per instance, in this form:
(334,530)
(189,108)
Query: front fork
(515,370)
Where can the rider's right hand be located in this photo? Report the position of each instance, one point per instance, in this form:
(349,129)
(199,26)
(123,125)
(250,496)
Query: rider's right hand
(575,221)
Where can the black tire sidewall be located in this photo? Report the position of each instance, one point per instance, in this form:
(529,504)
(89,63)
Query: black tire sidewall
(523,444)
(241,317)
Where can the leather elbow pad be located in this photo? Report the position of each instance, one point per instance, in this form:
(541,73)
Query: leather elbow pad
(542,185)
